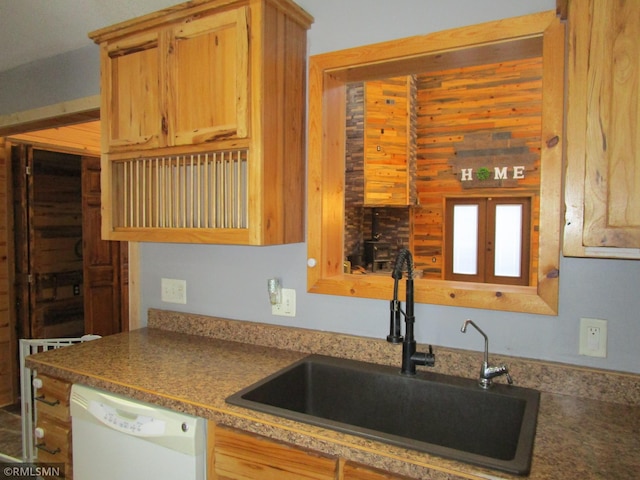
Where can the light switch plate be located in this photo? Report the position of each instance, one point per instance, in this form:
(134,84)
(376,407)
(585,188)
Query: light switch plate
(174,290)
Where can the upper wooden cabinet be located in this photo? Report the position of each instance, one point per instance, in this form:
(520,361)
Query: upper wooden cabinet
(203,123)
(602,183)
(181,84)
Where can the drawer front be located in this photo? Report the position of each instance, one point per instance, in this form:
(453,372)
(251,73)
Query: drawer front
(53,398)
(54,442)
(55,439)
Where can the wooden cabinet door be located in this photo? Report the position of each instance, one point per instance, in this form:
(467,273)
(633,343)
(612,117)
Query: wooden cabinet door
(208,79)
(242,456)
(603,134)
(133,99)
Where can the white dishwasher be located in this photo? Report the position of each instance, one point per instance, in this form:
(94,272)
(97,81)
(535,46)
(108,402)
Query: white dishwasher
(116,437)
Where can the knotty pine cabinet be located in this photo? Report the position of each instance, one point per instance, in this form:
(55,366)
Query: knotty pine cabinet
(238,455)
(181,84)
(233,454)
(203,111)
(53,422)
(602,181)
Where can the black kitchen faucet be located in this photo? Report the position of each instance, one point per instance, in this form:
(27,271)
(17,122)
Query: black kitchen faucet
(410,357)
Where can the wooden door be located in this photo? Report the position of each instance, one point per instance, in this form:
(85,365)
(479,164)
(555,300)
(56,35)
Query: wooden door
(68,281)
(48,243)
(105,263)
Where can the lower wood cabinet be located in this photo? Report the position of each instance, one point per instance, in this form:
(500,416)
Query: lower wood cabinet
(237,455)
(231,454)
(53,422)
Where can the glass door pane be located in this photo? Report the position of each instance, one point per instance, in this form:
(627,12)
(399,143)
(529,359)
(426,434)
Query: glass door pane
(465,239)
(508,241)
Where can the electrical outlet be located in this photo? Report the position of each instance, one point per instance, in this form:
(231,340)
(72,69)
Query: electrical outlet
(593,337)
(174,291)
(287,306)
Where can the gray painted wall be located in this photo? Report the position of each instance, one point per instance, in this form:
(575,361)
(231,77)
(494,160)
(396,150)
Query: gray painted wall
(53,80)
(231,281)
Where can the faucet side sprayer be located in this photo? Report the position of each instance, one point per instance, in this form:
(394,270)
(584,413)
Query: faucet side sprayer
(487,373)
(410,357)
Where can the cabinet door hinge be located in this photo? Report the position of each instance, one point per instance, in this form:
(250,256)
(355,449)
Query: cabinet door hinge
(28,170)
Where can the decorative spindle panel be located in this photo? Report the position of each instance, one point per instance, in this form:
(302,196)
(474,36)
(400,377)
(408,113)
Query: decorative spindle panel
(201,191)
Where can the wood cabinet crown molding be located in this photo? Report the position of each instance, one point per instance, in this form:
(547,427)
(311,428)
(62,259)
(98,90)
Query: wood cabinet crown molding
(192,9)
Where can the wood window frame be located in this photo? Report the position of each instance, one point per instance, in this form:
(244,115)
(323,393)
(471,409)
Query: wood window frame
(329,73)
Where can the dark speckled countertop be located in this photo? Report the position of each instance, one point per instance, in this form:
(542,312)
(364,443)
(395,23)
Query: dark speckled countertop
(588,424)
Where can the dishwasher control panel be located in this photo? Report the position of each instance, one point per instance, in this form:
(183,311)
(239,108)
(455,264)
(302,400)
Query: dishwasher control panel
(133,425)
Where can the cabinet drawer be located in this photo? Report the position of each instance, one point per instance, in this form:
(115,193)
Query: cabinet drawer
(55,439)
(53,398)
(53,442)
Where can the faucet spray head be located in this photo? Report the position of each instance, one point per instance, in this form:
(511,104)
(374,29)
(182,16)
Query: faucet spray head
(486,339)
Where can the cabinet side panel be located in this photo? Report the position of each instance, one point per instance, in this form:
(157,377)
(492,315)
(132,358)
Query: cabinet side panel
(284,57)
(294,135)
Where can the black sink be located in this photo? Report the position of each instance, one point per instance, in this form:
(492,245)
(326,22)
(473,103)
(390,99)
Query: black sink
(439,414)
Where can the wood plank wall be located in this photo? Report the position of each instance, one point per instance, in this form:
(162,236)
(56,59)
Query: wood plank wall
(487,115)
(386,139)
(393,222)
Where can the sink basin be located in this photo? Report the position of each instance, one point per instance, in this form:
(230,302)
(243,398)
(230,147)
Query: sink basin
(438,414)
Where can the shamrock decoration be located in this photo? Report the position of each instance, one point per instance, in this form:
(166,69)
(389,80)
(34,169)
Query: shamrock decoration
(483,173)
